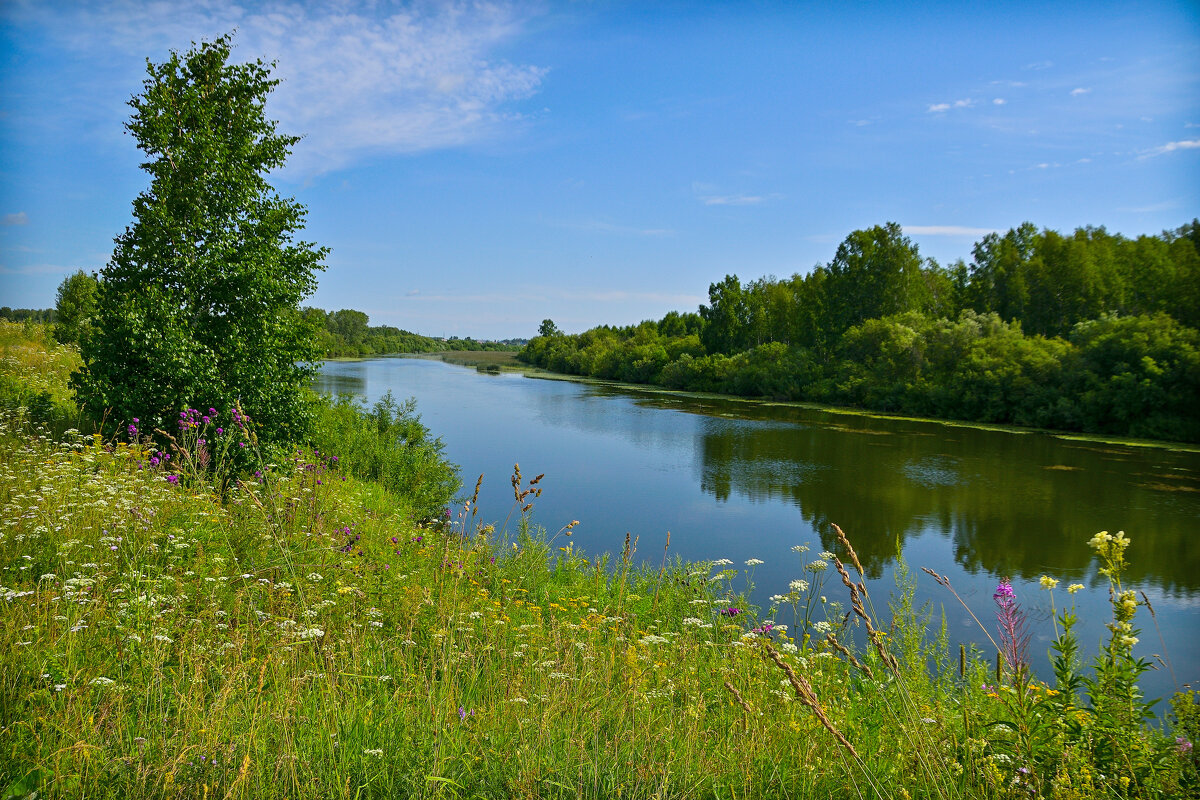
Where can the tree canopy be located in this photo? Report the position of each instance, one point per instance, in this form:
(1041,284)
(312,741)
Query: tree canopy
(199,305)
(1089,331)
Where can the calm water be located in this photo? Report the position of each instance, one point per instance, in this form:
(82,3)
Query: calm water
(743,480)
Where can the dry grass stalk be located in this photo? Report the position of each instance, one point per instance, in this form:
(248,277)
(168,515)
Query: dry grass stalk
(845,651)
(849,549)
(945,582)
(742,702)
(856,603)
(806,695)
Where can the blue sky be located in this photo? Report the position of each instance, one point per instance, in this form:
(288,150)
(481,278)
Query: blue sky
(478,167)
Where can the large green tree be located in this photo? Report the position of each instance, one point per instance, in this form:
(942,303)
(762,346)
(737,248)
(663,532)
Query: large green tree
(199,305)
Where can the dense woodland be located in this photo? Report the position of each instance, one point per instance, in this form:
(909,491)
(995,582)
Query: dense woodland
(1090,332)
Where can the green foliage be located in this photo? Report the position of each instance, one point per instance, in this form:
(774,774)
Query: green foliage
(387,444)
(347,333)
(199,305)
(301,634)
(74,306)
(1022,335)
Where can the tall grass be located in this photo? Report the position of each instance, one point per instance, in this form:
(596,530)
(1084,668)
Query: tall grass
(300,635)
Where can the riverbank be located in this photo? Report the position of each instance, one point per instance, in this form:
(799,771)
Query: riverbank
(752,402)
(304,636)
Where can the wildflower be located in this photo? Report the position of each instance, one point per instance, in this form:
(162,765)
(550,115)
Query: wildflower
(1047,582)
(800,548)
(102,681)
(822,627)
(173,479)
(722,562)
(463,714)
(376,753)
(798,586)
(818,565)
(1183,745)
(753,562)
(1074,587)
(730,612)
(828,556)
(1011,621)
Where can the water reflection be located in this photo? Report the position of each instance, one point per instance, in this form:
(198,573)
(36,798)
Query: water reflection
(745,480)
(1010,504)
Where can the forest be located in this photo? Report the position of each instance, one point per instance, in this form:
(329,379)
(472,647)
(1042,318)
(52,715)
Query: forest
(1091,332)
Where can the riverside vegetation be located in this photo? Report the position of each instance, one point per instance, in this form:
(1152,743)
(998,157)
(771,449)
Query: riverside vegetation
(1091,332)
(196,615)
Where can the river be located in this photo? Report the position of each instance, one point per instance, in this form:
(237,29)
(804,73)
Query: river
(744,480)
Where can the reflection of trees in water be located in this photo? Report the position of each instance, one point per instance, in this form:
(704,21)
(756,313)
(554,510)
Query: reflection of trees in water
(1021,505)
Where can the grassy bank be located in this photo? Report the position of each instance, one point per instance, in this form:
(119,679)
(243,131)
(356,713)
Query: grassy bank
(270,630)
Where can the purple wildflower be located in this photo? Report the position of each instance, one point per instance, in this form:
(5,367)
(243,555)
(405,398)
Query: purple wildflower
(1014,639)
(730,612)
(173,479)
(1183,745)
(463,714)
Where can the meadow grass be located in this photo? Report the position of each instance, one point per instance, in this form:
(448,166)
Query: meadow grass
(294,632)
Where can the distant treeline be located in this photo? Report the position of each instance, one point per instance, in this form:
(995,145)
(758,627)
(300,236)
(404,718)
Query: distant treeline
(27,314)
(1090,332)
(340,333)
(346,333)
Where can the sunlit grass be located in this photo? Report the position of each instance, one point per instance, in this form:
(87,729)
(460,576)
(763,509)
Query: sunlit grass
(300,635)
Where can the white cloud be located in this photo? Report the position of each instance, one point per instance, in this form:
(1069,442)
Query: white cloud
(939,107)
(946,230)
(621,296)
(36,269)
(733,200)
(708,195)
(357,77)
(1077,92)
(1170,147)
(1165,205)
(999,101)
(19,218)
(603,226)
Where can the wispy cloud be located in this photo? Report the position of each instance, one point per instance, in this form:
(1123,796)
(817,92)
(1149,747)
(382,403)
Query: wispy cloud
(708,194)
(19,218)
(621,296)
(732,199)
(603,226)
(1170,147)
(1079,91)
(940,107)
(357,77)
(1152,208)
(946,230)
(36,269)
(998,101)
